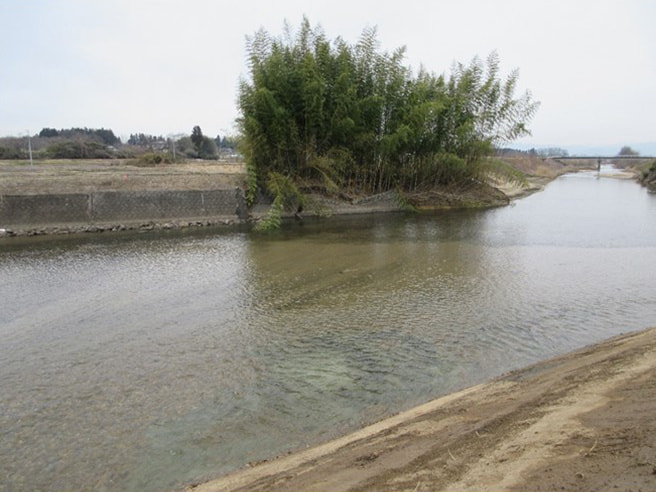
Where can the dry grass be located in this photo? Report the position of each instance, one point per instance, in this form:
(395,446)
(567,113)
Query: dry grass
(72,176)
(547,168)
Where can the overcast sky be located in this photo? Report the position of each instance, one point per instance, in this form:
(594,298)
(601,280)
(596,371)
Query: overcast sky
(161,67)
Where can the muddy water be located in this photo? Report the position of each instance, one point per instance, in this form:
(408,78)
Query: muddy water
(143,362)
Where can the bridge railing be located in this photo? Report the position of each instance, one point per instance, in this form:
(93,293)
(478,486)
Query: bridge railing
(603,158)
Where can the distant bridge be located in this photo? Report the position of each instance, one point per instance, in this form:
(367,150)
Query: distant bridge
(601,157)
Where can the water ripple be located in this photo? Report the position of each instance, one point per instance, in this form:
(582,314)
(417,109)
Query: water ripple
(145,362)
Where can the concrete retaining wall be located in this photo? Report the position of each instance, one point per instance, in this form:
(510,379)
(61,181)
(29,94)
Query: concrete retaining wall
(120,206)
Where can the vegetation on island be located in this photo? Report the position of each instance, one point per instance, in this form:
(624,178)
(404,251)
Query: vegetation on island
(648,175)
(327,116)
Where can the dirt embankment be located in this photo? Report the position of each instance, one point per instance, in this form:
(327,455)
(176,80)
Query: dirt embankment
(584,421)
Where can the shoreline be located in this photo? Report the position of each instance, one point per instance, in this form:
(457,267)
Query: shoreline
(584,420)
(69,179)
(499,194)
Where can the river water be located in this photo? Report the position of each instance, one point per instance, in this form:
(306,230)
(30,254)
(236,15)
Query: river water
(150,361)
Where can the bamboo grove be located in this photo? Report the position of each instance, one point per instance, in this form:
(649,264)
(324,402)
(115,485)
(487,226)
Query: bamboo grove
(329,115)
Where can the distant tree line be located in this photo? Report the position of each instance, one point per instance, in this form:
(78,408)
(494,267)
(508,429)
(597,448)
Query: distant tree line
(551,152)
(89,143)
(103,135)
(145,140)
(72,143)
(541,152)
(342,116)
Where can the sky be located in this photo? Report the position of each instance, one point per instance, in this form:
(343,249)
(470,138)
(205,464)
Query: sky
(163,66)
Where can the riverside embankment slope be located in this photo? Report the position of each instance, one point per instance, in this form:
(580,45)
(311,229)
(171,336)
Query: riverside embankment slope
(52,197)
(55,197)
(583,421)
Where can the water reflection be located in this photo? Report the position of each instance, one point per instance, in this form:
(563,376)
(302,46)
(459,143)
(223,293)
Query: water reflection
(145,362)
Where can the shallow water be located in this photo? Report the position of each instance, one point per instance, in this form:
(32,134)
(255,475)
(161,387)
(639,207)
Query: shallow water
(144,362)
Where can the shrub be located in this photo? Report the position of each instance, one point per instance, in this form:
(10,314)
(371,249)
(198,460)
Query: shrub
(151,159)
(81,149)
(11,153)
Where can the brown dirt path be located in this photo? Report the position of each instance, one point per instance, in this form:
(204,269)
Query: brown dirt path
(583,421)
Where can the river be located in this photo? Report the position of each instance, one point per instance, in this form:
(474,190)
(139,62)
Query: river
(149,361)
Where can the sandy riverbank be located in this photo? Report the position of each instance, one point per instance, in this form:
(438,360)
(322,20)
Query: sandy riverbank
(582,421)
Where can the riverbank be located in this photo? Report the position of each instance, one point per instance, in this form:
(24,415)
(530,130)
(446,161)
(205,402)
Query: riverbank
(70,182)
(57,197)
(582,421)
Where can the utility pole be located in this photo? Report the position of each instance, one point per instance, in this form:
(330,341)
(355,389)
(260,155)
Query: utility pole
(29,148)
(172,138)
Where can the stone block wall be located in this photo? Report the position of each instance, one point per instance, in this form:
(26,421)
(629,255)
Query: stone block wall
(120,206)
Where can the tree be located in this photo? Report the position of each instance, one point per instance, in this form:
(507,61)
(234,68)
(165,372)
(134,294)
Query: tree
(11,152)
(208,149)
(197,138)
(48,132)
(627,151)
(332,115)
(80,149)
(184,146)
(553,152)
(107,136)
(149,141)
